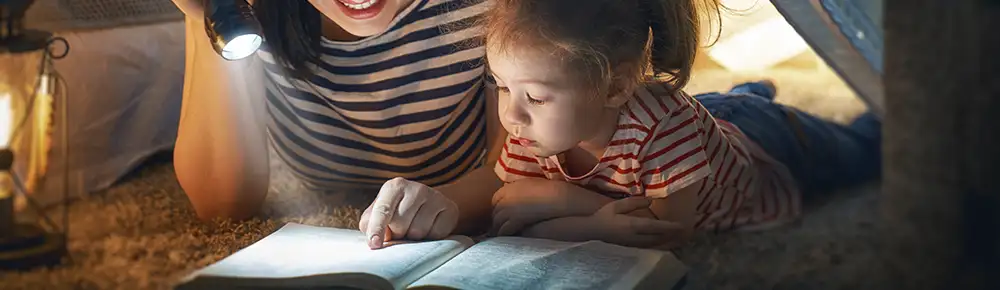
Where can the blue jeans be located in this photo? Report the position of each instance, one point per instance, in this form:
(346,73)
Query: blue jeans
(821,155)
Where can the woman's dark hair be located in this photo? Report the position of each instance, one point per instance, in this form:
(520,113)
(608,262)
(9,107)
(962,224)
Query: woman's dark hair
(292,31)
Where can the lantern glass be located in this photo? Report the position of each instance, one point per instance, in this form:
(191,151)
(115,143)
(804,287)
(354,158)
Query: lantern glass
(28,236)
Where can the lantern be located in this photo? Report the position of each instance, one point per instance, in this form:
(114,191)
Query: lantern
(28,90)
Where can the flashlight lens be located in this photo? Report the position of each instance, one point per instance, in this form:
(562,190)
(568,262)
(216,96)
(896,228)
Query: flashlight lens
(241,46)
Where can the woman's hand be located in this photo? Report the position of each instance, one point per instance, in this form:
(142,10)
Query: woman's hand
(192,8)
(530,201)
(409,210)
(195,8)
(611,224)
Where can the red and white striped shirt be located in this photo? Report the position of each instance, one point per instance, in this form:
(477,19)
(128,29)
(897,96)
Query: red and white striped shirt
(666,143)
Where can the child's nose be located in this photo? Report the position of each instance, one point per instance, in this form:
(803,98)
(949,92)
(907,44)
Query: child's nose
(516,115)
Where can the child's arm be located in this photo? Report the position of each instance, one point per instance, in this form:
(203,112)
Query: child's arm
(612,224)
(528,201)
(673,170)
(678,207)
(528,196)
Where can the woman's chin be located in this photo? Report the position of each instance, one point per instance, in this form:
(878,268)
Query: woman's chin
(366,29)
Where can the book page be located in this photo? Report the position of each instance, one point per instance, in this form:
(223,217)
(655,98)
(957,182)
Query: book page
(523,263)
(297,251)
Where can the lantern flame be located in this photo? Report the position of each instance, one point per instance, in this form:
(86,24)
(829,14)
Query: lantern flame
(6,120)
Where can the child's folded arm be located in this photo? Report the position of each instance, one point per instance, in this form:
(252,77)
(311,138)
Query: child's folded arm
(613,224)
(529,201)
(679,207)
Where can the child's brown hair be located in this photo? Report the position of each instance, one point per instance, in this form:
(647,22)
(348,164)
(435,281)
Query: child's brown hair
(612,44)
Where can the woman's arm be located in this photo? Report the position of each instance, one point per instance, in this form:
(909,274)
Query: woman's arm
(220,156)
(473,192)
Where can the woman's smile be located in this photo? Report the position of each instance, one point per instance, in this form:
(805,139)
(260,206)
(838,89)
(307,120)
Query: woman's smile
(361,9)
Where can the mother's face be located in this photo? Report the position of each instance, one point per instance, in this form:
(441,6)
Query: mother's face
(361,18)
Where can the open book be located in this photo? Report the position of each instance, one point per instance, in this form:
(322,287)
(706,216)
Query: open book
(301,256)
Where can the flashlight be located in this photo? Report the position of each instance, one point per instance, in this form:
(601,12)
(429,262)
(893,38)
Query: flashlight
(232,28)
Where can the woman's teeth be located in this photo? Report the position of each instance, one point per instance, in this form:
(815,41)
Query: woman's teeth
(360,6)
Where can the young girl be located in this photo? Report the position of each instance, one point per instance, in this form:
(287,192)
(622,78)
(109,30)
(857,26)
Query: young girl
(580,106)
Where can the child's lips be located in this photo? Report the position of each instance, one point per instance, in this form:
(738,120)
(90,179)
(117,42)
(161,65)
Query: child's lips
(523,141)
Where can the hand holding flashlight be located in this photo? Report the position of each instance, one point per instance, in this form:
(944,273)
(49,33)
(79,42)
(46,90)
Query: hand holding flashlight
(193,8)
(232,28)
(230,25)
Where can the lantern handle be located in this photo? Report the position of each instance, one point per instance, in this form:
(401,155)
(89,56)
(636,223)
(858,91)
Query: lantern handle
(42,70)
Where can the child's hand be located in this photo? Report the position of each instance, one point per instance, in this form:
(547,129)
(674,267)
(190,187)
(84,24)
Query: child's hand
(616,226)
(527,202)
(611,224)
(408,210)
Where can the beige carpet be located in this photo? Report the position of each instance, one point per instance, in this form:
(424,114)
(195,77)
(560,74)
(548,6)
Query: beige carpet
(142,233)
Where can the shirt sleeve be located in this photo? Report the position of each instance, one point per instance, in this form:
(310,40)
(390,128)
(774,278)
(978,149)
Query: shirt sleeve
(516,162)
(674,156)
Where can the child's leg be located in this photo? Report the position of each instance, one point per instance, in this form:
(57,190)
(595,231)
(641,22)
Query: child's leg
(763,89)
(821,155)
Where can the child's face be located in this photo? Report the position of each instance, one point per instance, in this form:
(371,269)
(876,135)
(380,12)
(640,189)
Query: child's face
(542,107)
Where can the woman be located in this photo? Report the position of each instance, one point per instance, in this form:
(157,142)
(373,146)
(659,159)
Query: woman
(348,92)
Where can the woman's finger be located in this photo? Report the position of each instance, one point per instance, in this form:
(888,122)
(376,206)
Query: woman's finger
(409,206)
(444,224)
(382,210)
(422,222)
(191,8)
(363,222)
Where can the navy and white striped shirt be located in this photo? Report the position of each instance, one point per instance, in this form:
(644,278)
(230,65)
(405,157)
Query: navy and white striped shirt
(408,102)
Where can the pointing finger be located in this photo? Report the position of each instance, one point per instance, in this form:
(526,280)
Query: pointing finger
(363,221)
(382,210)
(406,211)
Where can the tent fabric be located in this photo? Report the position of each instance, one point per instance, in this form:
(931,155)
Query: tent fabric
(847,34)
(65,15)
(124,88)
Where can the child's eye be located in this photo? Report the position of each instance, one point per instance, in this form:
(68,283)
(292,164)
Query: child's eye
(504,90)
(534,101)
